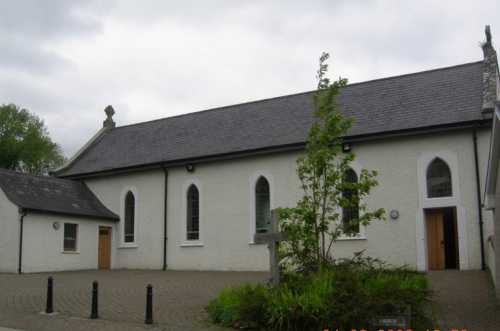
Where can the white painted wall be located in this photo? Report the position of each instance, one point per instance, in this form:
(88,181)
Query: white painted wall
(227,218)
(403,240)
(148,189)
(43,244)
(227,211)
(492,263)
(227,206)
(9,235)
(495,254)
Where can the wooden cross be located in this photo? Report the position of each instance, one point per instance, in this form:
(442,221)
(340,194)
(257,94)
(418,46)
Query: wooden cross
(273,238)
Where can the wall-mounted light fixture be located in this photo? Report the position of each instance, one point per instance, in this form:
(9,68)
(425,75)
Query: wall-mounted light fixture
(190,167)
(346,148)
(394,214)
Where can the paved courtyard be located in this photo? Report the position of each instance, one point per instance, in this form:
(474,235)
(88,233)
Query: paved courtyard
(465,300)
(179,298)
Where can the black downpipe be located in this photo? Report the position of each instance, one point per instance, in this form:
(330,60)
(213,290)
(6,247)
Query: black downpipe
(165,220)
(21,240)
(479,204)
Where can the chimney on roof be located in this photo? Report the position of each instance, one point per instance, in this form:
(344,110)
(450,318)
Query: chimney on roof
(491,86)
(109,123)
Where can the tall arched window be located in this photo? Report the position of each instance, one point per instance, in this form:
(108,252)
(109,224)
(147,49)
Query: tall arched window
(438,179)
(129,230)
(262,205)
(351,211)
(193,213)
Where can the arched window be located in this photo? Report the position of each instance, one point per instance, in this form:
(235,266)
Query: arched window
(193,213)
(262,206)
(129,230)
(351,210)
(438,179)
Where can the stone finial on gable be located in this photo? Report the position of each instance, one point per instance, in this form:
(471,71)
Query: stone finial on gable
(491,84)
(488,34)
(109,123)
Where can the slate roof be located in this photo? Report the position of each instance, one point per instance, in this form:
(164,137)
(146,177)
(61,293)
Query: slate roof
(435,98)
(51,195)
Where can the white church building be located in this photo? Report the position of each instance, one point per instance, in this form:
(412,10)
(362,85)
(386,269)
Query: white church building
(189,192)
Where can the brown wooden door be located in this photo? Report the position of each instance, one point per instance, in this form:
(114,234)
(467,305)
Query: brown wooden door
(104,247)
(435,239)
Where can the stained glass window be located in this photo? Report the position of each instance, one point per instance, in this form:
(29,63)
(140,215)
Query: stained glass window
(129,218)
(350,213)
(193,213)
(438,179)
(262,206)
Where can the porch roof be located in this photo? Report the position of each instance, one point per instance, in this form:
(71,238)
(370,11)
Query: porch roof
(52,195)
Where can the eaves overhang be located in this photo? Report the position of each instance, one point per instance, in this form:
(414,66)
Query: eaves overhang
(114,218)
(80,152)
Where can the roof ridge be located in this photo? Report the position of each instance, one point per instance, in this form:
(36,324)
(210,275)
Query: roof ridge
(34,176)
(416,73)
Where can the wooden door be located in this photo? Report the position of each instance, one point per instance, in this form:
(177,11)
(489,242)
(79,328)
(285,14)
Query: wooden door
(435,239)
(104,247)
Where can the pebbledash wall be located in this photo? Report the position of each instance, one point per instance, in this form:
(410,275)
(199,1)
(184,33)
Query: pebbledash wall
(226,205)
(146,252)
(42,246)
(9,235)
(494,259)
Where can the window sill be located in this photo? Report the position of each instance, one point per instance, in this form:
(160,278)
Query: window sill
(128,246)
(195,244)
(70,252)
(351,238)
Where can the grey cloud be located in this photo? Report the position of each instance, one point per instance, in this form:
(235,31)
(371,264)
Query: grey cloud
(48,19)
(30,31)
(24,56)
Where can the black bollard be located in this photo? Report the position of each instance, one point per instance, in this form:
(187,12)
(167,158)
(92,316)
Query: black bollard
(95,295)
(49,309)
(149,305)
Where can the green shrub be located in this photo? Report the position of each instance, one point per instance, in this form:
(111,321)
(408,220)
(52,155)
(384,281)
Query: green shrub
(225,309)
(348,295)
(242,305)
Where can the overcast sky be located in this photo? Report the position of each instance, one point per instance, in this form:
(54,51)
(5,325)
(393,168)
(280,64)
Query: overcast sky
(65,61)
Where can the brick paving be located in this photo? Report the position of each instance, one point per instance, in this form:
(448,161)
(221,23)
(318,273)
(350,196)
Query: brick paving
(465,300)
(179,298)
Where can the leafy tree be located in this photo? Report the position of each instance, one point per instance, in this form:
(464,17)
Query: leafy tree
(25,144)
(315,223)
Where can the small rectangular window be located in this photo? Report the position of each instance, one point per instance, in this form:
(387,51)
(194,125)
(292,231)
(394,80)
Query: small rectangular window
(70,237)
